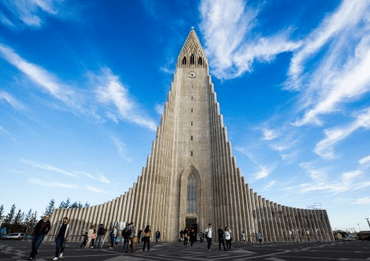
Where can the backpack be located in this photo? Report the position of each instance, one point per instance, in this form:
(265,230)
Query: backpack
(126,231)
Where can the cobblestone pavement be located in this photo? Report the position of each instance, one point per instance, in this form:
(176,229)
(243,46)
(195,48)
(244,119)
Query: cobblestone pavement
(359,250)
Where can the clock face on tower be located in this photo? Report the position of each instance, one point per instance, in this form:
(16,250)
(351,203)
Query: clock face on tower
(192,75)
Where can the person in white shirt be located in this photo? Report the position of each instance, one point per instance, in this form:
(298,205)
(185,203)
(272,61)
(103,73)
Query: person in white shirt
(208,232)
(228,238)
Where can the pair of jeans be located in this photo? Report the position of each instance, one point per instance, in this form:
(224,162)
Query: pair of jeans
(36,242)
(60,245)
(98,241)
(124,246)
(221,241)
(209,241)
(156,239)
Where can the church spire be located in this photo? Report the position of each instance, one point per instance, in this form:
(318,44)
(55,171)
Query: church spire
(192,53)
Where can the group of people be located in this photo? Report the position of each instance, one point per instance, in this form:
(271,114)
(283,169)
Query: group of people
(92,239)
(188,234)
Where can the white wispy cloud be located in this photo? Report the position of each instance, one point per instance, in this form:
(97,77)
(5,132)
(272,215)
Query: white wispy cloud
(11,100)
(31,12)
(104,179)
(47,167)
(269,185)
(121,148)
(269,134)
(43,79)
(362,201)
(322,181)
(227,26)
(365,161)
(96,190)
(52,184)
(325,147)
(5,21)
(341,76)
(110,91)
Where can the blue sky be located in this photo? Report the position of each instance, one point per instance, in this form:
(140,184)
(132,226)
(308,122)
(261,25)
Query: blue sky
(83,84)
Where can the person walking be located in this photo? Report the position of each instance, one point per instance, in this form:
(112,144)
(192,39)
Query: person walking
(208,232)
(221,237)
(157,236)
(147,232)
(228,238)
(61,238)
(89,236)
(41,230)
(113,235)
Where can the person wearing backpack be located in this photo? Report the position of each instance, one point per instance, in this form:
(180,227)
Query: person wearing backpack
(125,237)
(131,236)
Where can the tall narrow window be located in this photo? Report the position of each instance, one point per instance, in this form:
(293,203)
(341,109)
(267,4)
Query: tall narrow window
(200,61)
(191,198)
(191,154)
(191,123)
(191,137)
(192,59)
(191,110)
(192,98)
(184,60)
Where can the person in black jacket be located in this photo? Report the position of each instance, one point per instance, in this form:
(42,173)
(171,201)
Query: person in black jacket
(41,229)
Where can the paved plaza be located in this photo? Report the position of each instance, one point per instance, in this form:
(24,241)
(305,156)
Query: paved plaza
(359,250)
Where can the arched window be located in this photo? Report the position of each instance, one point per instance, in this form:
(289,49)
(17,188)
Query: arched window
(184,60)
(200,61)
(192,59)
(191,199)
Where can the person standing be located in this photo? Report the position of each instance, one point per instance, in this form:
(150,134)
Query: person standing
(99,237)
(113,235)
(139,236)
(147,232)
(259,237)
(84,242)
(89,236)
(242,237)
(221,238)
(208,231)
(193,237)
(125,233)
(61,238)
(182,235)
(131,236)
(157,236)
(185,237)
(228,238)
(41,230)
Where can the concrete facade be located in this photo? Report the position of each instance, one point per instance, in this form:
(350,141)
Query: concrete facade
(191,174)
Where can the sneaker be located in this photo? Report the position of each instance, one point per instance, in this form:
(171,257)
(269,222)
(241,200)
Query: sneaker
(110,247)
(55,258)
(30,258)
(60,255)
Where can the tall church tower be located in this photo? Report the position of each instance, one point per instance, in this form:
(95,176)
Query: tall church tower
(191,178)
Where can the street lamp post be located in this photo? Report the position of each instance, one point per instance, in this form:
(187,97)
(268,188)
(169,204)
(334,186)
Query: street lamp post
(368,221)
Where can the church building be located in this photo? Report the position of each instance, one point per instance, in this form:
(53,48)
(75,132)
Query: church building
(191,177)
